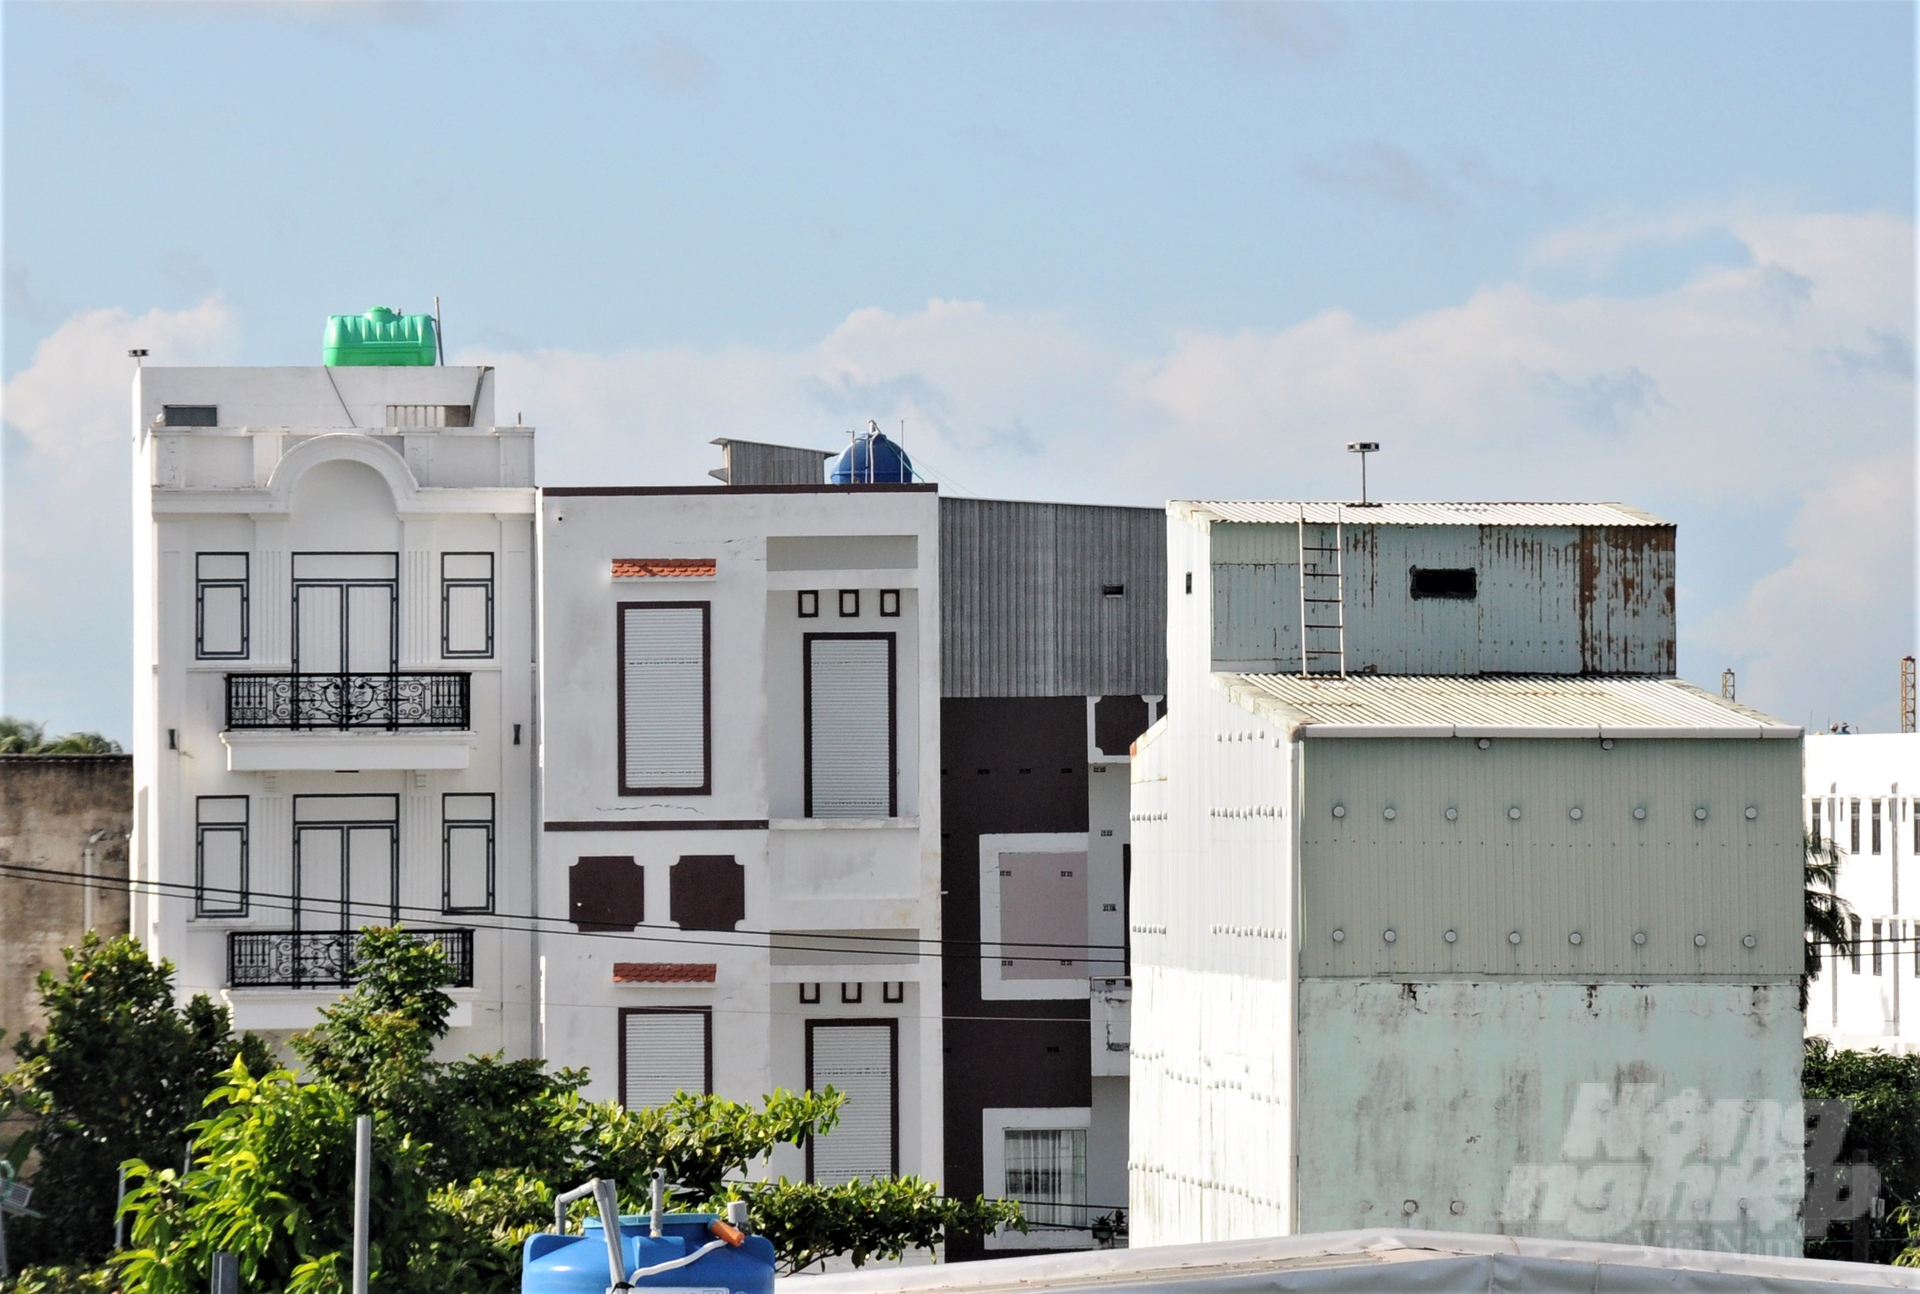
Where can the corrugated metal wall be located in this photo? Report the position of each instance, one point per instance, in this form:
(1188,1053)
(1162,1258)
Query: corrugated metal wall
(1545,874)
(1550,600)
(1023,612)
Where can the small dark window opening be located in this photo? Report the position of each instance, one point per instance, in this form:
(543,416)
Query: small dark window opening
(606,893)
(1189,581)
(1113,590)
(191,415)
(889,602)
(1441,582)
(849,602)
(809,603)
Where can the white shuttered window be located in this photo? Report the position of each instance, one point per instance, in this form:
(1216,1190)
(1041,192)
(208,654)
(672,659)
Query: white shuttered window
(663,697)
(661,1053)
(857,1059)
(850,732)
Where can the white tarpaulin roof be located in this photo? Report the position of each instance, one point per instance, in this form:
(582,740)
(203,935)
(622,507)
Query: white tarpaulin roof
(1378,1262)
(1279,512)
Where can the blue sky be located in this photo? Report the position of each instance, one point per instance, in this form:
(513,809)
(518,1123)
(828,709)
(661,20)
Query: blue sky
(1661,253)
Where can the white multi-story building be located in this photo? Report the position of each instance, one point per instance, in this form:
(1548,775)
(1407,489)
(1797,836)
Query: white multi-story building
(1452,908)
(333,683)
(740,835)
(1863,795)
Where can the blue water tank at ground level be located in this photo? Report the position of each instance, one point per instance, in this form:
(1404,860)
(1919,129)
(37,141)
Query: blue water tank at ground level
(577,1264)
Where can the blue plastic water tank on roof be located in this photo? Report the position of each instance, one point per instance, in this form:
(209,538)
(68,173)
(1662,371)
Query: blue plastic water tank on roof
(871,459)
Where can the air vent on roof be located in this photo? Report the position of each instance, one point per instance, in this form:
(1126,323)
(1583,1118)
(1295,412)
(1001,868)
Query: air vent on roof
(429,415)
(192,415)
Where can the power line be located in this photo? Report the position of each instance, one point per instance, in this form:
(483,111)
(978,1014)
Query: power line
(643,932)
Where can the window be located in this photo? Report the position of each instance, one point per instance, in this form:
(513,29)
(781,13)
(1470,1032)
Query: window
(860,1058)
(1853,951)
(1817,838)
(665,707)
(664,1050)
(850,731)
(1033,916)
(466,853)
(466,604)
(346,613)
(1914,810)
(1440,582)
(809,604)
(606,893)
(220,605)
(1113,590)
(1189,581)
(849,602)
(429,415)
(707,892)
(1876,826)
(1876,948)
(1046,1171)
(190,415)
(346,861)
(890,602)
(1853,825)
(220,850)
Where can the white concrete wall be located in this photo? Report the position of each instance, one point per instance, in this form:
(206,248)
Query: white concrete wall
(1857,1007)
(251,485)
(828,901)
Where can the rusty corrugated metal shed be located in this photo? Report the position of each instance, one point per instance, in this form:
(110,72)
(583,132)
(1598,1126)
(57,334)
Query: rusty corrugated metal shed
(1414,514)
(1545,706)
(1028,605)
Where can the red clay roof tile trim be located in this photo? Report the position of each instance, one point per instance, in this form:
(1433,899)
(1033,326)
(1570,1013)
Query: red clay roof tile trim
(664,972)
(643,568)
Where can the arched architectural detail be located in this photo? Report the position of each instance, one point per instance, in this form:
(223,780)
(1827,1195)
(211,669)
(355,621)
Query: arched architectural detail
(348,446)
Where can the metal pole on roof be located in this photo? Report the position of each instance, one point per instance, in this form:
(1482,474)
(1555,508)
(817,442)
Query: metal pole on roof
(439,334)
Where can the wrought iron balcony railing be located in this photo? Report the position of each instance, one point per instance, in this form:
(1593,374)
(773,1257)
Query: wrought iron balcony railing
(295,702)
(323,958)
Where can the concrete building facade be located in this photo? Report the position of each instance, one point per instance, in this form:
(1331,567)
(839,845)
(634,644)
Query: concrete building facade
(1863,796)
(740,837)
(64,823)
(1428,932)
(333,684)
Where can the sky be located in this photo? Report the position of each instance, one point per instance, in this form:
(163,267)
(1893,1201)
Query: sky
(1655,253)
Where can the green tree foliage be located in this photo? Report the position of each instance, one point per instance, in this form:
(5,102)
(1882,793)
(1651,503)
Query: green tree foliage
(1827,916)
(468,1157)
(25,737)
(118,1074)
(1884,1093)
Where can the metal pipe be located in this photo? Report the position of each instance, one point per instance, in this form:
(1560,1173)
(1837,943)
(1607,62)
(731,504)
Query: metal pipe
(565,1198)
(609,1202)
(86,879)
(659,1201)
(362,1197)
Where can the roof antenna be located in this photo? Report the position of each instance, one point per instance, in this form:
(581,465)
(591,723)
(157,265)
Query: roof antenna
(439,334)
(1363,448)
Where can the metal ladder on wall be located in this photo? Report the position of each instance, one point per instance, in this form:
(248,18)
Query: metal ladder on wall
(1323,588)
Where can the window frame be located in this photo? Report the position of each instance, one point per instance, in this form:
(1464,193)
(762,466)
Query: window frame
(1853,946)
(893,715)
(807,604)
(200,586)
(187,420)
(892,1025)
(447,585)
(995,1123)
(704,1012)
(1876,815)
(1853,826)
(890,597)
(447,824)
(706,696)
(200,829)
(844,595)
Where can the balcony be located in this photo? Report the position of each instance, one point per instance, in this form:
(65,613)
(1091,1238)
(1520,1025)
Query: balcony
(336,722)
(323,958)
(348,702)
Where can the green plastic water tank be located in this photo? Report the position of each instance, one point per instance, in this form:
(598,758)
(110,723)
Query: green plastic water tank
(379,337)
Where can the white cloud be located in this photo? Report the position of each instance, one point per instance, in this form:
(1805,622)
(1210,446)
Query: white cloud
(65,587)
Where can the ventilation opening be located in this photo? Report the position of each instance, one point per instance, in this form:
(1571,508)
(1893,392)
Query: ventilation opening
(192,415)
(429,415)
(1440,582)
(1113,590)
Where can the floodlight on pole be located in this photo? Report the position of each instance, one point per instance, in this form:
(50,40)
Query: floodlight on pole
(1363,448)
